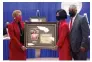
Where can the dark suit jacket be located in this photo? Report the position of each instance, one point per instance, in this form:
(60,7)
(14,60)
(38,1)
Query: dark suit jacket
(79,34)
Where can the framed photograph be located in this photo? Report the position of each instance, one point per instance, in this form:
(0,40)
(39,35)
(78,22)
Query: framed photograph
(38,19)
(40,34)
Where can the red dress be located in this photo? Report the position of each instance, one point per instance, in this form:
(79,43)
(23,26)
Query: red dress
(63,41)
(15,51)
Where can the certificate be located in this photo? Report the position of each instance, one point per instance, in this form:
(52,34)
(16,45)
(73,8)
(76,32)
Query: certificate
(40,34)
(46,38)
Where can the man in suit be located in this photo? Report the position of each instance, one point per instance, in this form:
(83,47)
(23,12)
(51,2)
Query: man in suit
(79,32)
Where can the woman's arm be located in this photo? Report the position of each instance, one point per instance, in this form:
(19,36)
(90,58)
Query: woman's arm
(63,34)
(12,36)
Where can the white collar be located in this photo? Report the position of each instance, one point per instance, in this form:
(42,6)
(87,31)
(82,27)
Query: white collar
(73,19)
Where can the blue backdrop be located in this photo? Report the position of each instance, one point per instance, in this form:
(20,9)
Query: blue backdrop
(47,9)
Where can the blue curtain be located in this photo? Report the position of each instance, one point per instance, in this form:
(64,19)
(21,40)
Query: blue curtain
(86,9)
(47,9)
(5,49)
(30,52)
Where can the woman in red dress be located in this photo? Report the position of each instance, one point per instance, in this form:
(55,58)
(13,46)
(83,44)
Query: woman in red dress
(17,50)
(63,43)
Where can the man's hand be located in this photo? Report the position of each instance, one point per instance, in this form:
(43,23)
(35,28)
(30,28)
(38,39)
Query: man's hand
(23,48)
(82,49)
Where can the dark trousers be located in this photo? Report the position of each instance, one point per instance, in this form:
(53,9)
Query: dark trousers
(79,55)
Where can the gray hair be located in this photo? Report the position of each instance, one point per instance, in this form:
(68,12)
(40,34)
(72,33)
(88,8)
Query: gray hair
(15,13)
(73,7)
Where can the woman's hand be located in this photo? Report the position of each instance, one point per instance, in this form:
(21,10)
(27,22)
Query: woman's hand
(55,47)
(23,48)
(82,49)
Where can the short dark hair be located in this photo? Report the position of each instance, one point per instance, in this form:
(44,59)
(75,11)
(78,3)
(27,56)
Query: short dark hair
(62,14)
